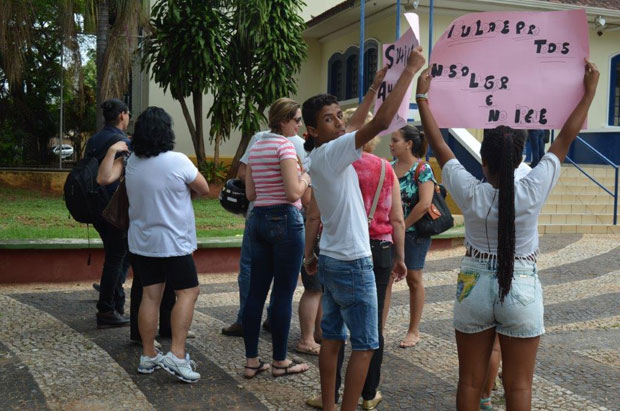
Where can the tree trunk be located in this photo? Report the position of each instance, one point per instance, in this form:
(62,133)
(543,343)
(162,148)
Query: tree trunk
(216,149)
(234,166)
(103,27)
(189,121)
(199,145)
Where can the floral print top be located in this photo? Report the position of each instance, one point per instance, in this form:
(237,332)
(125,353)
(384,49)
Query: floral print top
(409,187)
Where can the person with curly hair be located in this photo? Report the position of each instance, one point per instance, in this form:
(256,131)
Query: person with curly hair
(162,235)
(498,290)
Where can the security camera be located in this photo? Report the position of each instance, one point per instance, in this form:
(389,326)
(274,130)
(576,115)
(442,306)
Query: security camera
(412,4)
(599,25)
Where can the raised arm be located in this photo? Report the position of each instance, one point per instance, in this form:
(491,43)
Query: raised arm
(575,121)
(111,168)
(359,117)
(442,152)
(390,106)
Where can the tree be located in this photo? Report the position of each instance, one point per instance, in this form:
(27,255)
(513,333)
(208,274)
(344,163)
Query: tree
(185,53)
(266,51)
(244,52)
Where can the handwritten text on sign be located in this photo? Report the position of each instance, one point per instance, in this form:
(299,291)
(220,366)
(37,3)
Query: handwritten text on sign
(395,57)
(518,69)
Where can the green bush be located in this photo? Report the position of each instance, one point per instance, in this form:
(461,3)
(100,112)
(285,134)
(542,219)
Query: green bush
(214,172)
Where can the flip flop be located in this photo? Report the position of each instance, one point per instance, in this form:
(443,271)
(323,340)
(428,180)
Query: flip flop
(287,369)
(310,351)
(259,368)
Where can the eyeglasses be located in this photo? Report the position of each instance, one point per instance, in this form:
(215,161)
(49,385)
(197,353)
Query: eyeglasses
(298,120)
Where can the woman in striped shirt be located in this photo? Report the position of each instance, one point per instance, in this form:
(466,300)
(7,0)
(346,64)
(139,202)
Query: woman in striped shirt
(276,183)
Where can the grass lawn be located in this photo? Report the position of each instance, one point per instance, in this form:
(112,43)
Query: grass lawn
(33,214)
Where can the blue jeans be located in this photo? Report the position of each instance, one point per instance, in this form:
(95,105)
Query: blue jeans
(277,235)
(536,139)
(349,299)
(245,264)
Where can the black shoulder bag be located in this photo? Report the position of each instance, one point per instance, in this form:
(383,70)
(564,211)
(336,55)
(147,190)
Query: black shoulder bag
(437,218)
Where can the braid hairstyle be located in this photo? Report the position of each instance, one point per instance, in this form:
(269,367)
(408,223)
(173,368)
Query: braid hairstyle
(508,143)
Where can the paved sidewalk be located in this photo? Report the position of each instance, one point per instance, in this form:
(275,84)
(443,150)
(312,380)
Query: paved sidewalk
(53,357)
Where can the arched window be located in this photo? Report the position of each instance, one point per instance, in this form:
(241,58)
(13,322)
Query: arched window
(371,61)
(352,75)
(343,70)
(336,76)
(614,92)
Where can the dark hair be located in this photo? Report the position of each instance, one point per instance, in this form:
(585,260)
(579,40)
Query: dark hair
(502,151)
(310,110)
(111,109)
(153,133)
(420,145)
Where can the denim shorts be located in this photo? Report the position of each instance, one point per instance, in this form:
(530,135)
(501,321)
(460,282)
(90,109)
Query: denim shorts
(415,250)
(349,299)
(477,306)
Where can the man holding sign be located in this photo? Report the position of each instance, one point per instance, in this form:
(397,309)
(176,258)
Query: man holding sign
(345,264)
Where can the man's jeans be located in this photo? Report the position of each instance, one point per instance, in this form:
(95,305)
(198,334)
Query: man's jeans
(245,265)
(115,266)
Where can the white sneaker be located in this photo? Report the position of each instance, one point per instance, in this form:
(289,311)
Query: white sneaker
(184,369)
(150,364)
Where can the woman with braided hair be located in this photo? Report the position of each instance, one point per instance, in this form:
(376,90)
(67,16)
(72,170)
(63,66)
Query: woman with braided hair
(498,290)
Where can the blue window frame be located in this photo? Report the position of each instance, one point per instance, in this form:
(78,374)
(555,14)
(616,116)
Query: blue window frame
(614,92)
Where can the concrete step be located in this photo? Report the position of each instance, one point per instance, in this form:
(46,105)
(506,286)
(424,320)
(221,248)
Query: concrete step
(594,170)
(551,208)
(581,229)
(583,181)
(573,198)
(580,189)
(559,218)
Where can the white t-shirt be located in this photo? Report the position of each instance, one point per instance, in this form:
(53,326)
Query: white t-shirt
(477,200)
(297,141)
(337,193)
(161,214)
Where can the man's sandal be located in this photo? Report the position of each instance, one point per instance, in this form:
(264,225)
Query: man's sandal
(259,368)
(287,369)
(485,404)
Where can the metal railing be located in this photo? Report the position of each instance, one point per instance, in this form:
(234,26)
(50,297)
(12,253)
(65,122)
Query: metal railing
(609,162)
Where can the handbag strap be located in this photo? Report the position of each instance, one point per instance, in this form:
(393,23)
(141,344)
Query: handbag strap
(373,208)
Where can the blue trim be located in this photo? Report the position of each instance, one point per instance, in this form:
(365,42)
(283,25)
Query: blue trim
(431,16)
(397,19)
(360,70)
(613,83)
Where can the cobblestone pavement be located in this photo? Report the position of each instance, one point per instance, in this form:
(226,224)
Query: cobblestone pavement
(53,357)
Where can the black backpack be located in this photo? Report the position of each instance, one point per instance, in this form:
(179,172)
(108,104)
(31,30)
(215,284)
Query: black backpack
(84,198)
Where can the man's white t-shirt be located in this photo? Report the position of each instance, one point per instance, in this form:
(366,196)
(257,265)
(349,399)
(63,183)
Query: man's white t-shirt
(337,193)
(161,214)
(479,203)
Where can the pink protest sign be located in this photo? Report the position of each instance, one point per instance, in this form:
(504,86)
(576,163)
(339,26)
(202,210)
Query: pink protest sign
(395,58)
(518,69)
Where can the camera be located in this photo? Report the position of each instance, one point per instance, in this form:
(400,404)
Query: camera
(599,25)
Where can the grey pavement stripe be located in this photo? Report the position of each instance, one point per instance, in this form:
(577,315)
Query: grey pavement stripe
(229,354)
(588,325)
(609,357)
(439,357)
(20,390)
(70,370)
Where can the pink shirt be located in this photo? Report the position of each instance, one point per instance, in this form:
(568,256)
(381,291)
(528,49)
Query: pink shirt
(264,161)
(368,170)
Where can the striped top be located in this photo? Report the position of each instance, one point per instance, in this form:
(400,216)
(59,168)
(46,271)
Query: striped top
(264,161)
